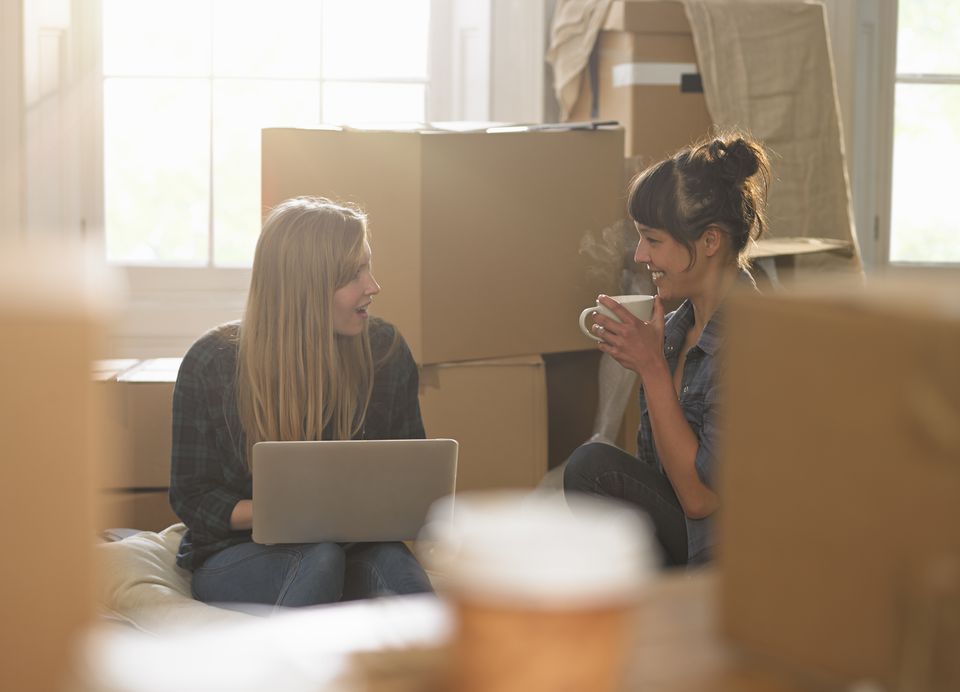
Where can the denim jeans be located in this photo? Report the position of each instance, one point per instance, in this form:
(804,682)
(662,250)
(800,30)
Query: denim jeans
(308,573)
(601,469)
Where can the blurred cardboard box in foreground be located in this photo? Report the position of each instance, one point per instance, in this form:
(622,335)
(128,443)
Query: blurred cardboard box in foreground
(840,528)
(54,311)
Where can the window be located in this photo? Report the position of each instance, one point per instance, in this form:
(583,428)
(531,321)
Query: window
(188,84)
(925,226)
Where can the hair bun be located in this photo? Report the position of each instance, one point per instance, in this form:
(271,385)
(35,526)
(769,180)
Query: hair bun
(737,159)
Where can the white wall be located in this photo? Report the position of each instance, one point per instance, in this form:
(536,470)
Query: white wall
(487,60)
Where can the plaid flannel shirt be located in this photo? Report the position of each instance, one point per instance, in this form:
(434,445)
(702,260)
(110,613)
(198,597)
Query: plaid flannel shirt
(208,474)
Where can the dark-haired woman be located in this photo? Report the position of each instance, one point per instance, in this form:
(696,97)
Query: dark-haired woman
(696,212)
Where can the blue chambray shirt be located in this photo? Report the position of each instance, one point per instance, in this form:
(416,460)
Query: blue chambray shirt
(700,400)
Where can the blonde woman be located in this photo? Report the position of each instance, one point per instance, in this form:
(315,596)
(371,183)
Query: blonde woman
(306,362)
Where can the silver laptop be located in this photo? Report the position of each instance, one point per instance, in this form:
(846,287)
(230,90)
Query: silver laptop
(352,490)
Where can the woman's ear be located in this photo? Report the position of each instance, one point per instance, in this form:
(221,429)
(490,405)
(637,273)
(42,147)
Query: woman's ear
(712,239)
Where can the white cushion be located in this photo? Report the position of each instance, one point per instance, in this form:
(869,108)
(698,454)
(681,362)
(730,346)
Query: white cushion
(141,584)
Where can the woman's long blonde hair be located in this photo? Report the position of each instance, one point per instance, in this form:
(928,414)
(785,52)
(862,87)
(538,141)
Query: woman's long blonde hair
(295,376)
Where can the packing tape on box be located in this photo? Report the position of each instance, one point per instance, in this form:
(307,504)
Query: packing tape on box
(657,74)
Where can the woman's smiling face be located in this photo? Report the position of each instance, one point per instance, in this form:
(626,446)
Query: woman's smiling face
(668,260)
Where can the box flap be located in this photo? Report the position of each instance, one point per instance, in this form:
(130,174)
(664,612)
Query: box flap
(421,127)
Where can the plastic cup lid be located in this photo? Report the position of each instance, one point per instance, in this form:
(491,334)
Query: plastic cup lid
(541,550)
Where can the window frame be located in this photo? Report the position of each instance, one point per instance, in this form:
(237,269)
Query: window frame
(909,78)
(208,82)
(871,30)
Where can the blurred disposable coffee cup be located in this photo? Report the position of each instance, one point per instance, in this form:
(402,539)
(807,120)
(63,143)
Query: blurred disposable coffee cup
(639,306)
(544,591)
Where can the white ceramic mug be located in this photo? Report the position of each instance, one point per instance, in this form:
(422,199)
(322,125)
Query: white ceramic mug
(639,306)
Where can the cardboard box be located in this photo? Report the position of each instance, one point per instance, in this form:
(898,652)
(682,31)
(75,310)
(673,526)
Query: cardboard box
(840,526)
(475,236)
(50,424)
(497,410)
(647,79)
(114,470)
(127,509)
(145,396)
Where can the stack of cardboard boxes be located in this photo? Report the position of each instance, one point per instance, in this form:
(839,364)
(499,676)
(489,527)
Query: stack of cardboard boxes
(476,241)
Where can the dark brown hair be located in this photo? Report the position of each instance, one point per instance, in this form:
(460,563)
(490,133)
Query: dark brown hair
(721,181)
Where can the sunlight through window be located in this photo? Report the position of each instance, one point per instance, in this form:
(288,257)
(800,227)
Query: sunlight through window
(189,84)
(927,133)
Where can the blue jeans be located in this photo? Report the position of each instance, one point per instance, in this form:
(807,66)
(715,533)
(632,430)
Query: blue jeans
(304,574)
(601,469)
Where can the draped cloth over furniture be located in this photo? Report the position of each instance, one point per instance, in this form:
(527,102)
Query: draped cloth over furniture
(765,68)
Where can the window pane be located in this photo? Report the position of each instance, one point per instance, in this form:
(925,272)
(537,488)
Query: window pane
(926,148)
(344,102)
(254,38)
(165,39)
(379,39)
(156,170)
(928,36)
(240,109)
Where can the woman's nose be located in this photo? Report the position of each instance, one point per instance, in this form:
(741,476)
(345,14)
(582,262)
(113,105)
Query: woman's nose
(373,288)
(640,255)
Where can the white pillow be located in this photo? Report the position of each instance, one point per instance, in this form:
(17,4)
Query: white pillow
(141,583)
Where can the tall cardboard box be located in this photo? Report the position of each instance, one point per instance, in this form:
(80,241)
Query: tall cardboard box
(840,479)
(52,321)
(645,76)
(497,410)
(476,236)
